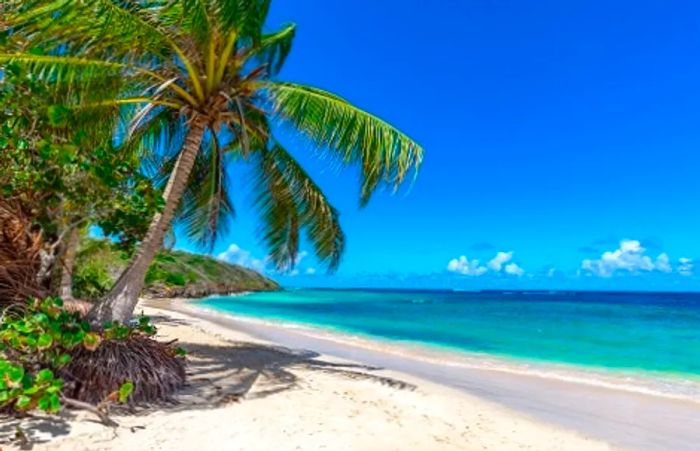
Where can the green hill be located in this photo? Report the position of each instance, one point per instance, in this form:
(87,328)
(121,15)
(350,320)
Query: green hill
(172,274)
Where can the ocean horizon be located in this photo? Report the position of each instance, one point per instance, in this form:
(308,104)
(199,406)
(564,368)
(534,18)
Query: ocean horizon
(646,334)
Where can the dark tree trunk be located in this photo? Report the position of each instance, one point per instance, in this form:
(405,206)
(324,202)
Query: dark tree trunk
(119,304)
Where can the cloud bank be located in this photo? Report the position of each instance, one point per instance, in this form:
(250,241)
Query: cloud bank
(631,257)
(499,264)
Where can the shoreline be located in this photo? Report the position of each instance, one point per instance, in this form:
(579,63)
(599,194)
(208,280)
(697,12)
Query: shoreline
(254,387)
(676,386)
(628,418)
(249,393)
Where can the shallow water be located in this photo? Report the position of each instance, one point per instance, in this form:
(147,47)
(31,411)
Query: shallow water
(657,333)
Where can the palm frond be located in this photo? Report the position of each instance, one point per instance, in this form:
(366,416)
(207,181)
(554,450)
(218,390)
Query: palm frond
(207,206)
(245,17)
(383,153)
(289,200)
(158,137)
(59,68)
(196,16)
(124,27)
(274,48)
(127,31)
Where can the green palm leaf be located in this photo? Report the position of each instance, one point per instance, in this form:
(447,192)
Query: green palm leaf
(274,48)
(244,17)
(289,201)
(207,206)
(383,153)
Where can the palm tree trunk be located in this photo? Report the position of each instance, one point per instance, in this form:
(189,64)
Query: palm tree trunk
(65,288)
(119,303)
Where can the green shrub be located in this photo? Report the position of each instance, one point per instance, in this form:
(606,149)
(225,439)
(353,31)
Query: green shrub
(92,280)
(37,342)
(156,274)
(176,279)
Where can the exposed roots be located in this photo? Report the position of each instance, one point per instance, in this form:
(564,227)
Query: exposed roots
(150,365)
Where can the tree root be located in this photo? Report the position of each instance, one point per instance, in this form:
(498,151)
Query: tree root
(104,418)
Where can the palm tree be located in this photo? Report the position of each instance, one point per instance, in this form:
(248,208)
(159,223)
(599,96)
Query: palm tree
(201,76)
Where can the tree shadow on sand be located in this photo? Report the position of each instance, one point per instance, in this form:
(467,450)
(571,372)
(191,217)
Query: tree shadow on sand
(216,375)
(232,371)
(219,374)
(34,430)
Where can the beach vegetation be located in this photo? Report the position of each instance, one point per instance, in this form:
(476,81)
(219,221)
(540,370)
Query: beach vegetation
(50,357)
(171,274)
(59,175)
(196,81)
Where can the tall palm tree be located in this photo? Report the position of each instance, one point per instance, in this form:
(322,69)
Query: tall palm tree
(203,73)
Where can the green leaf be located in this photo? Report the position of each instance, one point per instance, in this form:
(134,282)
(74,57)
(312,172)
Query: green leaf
(55,403)
(383,153)
(91,341)
(44,376)
(125,391)
(44,403)
(63,360)
(33,390)
(40,317)
(23,402)
(14,374)
(44,341)
(50,403)
(288,200)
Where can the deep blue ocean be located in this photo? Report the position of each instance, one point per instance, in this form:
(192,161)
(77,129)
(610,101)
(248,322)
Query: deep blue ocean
(658,332)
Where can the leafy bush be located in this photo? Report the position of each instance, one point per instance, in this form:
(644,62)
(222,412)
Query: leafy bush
(34,343)
(155,275)
(172,273)
(92,280)
(39,341)
(175,279)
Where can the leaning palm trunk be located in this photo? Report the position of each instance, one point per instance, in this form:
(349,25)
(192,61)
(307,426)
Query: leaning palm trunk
(119,304)
(65,289)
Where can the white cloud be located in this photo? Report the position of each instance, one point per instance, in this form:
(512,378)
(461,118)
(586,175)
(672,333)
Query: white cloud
(630,256)
(499,260)
(499,263)
(663,263)
(463,265)
(514,269)
(551,272)
(685,266)
(236,255)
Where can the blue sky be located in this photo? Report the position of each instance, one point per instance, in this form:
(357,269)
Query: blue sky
(552,130)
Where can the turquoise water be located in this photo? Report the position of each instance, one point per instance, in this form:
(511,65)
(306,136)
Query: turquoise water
(658,332)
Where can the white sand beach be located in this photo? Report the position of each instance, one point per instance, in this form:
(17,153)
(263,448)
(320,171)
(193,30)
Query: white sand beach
(249,394)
